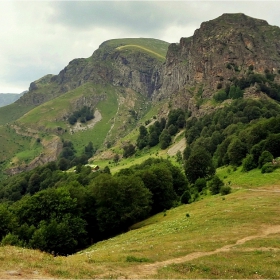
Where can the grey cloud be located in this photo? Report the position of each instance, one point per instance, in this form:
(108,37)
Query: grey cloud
(41,37)
(128,15)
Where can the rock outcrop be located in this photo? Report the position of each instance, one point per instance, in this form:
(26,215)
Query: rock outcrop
(134,68)
(219,50)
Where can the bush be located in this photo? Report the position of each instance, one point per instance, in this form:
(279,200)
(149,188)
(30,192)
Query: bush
(215,185)
(11,239)
(268,168)
(186,197)
(200,184)
(136,259)
(225,190)
(248,163)
(220,96)
(266,157)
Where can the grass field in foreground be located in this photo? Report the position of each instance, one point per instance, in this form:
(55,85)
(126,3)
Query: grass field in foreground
(233,236)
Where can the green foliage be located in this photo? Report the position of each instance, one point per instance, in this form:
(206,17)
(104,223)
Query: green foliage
(107,169)
(265,83)
(158,179)
(12,240)
(164,139)
(179,157)
(235,92)
(236,151)
(200,184)
(128,150)
(268,167)
(186,197)
(248,163)
(136,259)
(265,157)
(121,201)
(7,221)
(84,114)
(220,96)
(161,132)
(199,165)
(177,118)
(215,185)
(224,190)
(142,139)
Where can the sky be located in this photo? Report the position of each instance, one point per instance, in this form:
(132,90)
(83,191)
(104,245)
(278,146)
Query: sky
(41,37)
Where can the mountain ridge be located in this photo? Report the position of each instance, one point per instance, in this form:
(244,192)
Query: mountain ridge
(222,53)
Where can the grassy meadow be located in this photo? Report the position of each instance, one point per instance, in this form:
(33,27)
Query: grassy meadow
(232,236)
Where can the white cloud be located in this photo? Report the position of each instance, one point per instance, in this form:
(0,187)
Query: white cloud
(39,38)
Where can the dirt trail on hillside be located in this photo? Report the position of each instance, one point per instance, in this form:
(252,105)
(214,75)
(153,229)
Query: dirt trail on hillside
(146,270)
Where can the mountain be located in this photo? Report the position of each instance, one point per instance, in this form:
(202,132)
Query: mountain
(8,98)
(220,50)
(127,82)
(116,82)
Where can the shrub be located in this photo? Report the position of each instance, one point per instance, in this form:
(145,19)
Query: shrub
(11,239)
(220,96)
(136,259)
(186,197)
(215,185)
(268,168)
(266,157)
(225,190)
(200,184)
(248,163)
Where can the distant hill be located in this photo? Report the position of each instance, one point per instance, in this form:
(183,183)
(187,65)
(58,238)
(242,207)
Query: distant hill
(8,98)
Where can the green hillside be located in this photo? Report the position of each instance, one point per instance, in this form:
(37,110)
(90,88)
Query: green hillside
(153,45)
(233,236)
(12,112)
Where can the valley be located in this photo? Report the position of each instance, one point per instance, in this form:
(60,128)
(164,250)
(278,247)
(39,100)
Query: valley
(185,142)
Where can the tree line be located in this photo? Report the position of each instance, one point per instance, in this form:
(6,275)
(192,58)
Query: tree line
(62,212)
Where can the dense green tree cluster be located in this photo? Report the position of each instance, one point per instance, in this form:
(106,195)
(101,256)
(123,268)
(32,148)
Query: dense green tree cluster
(83,115)
(264,82)
(67,211)
(232,92)
(161,132)
(236,134)
(69,158)
(128,150)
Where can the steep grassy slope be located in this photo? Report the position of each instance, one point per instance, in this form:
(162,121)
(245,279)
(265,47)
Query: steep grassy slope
(101,82)
(235,236)
(112,103)
(18,149)
(12,112)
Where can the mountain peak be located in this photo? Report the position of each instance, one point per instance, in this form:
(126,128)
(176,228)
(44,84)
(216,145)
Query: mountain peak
(239,18)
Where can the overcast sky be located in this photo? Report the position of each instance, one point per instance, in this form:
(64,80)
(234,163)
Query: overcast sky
(41,37)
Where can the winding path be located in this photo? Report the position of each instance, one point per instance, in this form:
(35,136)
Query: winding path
(143,271)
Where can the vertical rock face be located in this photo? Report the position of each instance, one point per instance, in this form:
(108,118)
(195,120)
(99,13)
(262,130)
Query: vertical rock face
(219,50)
(132,67)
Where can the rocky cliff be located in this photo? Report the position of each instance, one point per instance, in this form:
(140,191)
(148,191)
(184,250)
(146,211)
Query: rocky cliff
(129,63)
(219,50)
